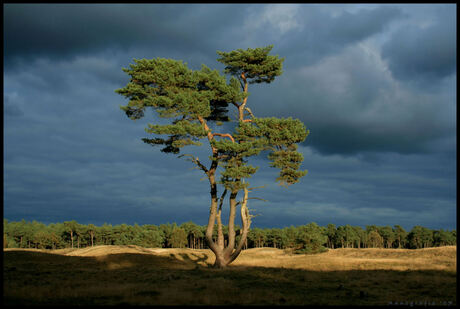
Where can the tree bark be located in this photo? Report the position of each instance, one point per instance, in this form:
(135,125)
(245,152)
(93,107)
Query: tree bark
(246,223)
(220,234)
(243,104)
(226,255)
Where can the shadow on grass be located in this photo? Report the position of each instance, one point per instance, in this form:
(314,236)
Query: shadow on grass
(38,278)
(198,260)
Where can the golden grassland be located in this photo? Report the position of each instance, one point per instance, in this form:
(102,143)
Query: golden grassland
(131,275)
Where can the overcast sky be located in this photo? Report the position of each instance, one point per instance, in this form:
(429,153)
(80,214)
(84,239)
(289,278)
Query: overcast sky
(374,84)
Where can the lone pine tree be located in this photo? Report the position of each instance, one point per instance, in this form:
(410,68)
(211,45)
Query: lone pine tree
(197,104)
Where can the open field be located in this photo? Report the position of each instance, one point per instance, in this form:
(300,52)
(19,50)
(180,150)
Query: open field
(131,275)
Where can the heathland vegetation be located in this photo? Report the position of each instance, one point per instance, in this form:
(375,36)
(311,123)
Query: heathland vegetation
(75,264)
(133,275)
(309,238)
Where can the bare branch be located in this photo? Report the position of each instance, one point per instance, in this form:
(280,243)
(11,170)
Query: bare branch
(236,104)
(252,188)
(196,161)
(249,111)
(257,198)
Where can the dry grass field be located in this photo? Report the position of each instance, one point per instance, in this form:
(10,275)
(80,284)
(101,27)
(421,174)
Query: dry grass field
(131,275)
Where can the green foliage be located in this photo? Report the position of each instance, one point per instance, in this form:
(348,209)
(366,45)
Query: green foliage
(256,64)
(174,91)
(257,237)
(443,238)
(178,238)
(348,236)
(331,233)
(361,236)
(308,238)
(279,136)
(388,235)
(420,237)
(311,239)
(400,235)
(188,98)
(149,236)
(374,239)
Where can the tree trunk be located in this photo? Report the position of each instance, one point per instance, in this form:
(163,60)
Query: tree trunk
(220,234)
(226,255)
(212,219)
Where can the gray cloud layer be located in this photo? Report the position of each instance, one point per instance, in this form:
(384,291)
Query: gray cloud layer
(375,84)
(424,51)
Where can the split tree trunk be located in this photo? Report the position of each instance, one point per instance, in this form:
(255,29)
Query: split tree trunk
(227,254)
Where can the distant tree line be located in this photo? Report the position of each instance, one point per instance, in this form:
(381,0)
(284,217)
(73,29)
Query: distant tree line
(307,238)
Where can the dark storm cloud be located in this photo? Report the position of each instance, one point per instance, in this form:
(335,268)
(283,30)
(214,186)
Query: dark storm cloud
(55,29)
(64,30)
(336,79)
(424,52)
(351,104)
(352,27)
(410,189)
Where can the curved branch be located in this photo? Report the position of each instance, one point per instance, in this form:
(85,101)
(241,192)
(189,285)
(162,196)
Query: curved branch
(224,135)
(206,128)
(213,167)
